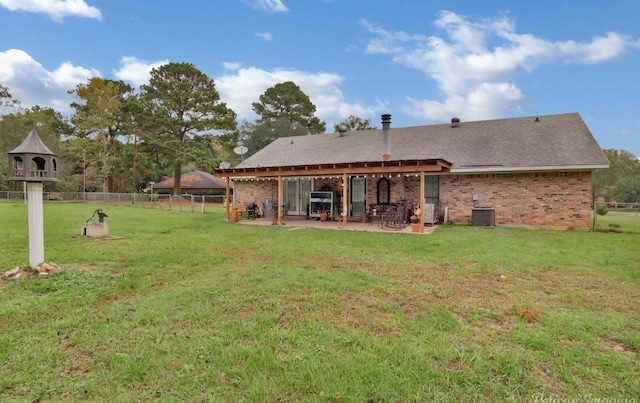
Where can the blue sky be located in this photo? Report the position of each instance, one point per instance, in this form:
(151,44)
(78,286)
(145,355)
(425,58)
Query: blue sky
(422,61)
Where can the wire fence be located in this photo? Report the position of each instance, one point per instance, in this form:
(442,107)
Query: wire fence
(184,202)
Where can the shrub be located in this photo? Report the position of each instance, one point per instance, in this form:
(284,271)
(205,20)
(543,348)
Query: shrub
(602,209)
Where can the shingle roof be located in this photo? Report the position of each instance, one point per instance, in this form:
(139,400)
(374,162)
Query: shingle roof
(562,141)
(194,180)
(32,145)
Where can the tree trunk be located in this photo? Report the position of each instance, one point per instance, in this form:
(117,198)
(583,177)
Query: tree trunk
(107,185)
(177,170)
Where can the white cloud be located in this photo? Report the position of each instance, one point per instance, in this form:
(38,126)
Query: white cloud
(31,84)
(56,9)
(136,71)
(231,66)
(388,41)
(272,6)
(265,35)
(600,49)
(241,89)
(487,101)
(474,62)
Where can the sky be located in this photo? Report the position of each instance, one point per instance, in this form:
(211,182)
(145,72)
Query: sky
(423,62)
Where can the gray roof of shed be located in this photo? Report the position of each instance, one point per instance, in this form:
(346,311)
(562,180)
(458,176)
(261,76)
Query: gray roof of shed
(560,141)
(194,180)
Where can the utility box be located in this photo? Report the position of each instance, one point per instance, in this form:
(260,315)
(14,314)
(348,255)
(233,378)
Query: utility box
(483,217)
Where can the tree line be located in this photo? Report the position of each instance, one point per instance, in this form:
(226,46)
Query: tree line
(621,182)
(119,140)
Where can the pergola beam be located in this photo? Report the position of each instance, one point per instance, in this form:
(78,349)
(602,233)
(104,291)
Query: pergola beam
(367,168)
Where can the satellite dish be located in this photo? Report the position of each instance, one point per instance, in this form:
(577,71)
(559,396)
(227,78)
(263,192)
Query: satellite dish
(240,150)
(225,165)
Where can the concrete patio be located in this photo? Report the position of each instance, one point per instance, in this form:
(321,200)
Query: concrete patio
(303,222)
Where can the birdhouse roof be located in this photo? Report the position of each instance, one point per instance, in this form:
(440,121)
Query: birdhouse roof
(32,145)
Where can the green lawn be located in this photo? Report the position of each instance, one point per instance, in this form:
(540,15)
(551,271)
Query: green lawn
(187,307)
(619,222)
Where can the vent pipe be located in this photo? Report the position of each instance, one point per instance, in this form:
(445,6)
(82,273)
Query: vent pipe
(386,146)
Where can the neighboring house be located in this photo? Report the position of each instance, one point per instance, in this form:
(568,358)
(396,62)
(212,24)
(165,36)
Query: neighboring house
(531,171)
(195,183)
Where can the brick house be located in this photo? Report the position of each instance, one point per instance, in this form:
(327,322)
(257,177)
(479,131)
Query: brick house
(525,172)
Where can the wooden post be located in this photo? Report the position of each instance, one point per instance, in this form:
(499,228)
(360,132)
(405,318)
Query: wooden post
(279,206)
(421,202)
(36,223)
(226,197)
(345,201)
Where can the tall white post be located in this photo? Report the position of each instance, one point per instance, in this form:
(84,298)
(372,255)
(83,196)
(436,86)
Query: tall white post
(36,223)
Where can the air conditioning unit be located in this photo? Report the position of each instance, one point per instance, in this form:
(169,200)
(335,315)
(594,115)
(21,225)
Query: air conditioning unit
(430,214)
(483,217)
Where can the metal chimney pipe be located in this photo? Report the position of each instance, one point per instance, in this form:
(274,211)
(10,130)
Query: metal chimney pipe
(386,146)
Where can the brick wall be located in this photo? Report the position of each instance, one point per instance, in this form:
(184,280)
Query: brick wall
(541,200)
(257,191)
(554,199)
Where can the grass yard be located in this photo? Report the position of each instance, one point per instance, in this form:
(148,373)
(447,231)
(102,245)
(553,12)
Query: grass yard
(619,222)
(187,307)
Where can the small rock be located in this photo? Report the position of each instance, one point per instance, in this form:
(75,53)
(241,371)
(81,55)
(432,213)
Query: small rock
(43,273)
(503,277)
(53,270)
(41,269)
(46,266)
(12,272)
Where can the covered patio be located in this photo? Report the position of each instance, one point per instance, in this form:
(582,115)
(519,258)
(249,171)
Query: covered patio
(338,173)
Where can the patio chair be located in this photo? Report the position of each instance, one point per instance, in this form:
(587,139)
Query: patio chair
(251,208)
(394,219)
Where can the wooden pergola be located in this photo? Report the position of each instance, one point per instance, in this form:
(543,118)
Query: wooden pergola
(344,170)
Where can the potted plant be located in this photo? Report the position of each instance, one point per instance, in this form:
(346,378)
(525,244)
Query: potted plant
(415,219)
(322,211)
(323,215)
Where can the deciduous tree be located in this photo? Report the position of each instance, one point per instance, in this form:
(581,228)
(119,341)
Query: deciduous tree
(15,127)
(5,97)
(622,164)
(627,189)
(99,116)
